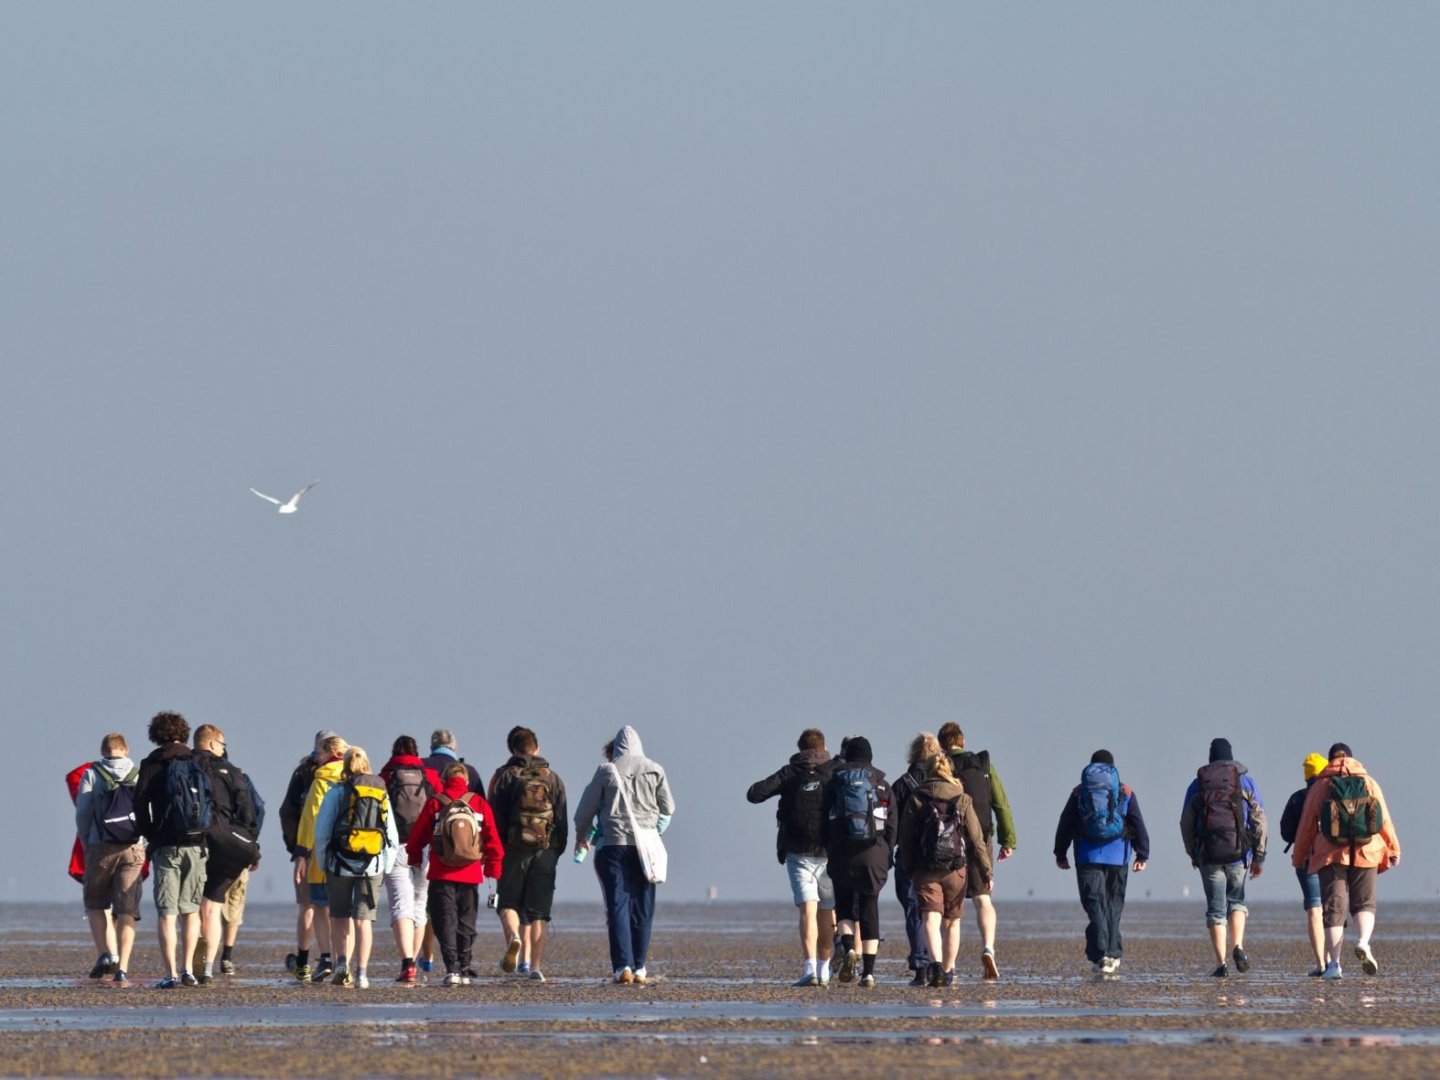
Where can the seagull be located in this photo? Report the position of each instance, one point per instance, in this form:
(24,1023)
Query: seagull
(294,503)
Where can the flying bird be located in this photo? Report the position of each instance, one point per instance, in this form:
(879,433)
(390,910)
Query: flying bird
(294,503)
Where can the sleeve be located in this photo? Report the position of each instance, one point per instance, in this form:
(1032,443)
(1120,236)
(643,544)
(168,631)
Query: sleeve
(1255,818)
(1187,824)
(905,833)
(1309,823)
(85,811)
(323,823)
(501,801)
(392,839)
(146,820)
(1065,828)
(589,807)
(892,820)
(291,808)
(421,832)
(1135,826)
(663,798)
(490,843)
(1004,819)
(560,838)
(979,849)
(1387,827)
(305,831)
(258,803)
(768,788)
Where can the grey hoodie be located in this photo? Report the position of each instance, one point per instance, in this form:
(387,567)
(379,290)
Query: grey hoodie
(85,825)
(646,788)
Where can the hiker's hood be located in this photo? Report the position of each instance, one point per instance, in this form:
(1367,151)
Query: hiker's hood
(403,761)
(1346,766)
(332,772)
(627,742)
(937,787)
(811,759)
(117,767)
(457,786)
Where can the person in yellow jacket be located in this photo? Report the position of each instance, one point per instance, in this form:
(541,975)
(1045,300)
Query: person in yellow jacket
(309,870)
(1347,837)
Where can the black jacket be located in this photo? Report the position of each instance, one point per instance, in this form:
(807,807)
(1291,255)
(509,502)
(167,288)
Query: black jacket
(293,805)
(150,797)
(841,851)
(793,836)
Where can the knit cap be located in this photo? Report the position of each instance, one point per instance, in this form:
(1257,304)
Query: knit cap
(1313,765)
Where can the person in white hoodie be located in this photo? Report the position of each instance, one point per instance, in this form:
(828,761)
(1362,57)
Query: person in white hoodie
(114,855)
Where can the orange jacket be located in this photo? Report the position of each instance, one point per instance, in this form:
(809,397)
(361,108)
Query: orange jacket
(1312,850)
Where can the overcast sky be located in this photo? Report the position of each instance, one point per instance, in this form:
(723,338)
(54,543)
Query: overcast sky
(1066,371)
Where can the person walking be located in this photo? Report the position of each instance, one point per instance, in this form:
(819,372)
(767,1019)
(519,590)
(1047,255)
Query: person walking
(292,808)
(410,785)
(859,843)
(1347,837)
(114,856)
(628,794)
(310,871)
(923,747)
(1309,883)
(1102,819)
(232,842)
(1222,824)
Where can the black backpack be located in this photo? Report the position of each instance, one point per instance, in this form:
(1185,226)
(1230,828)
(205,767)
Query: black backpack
(801,813)
(114,807)
(189,800)
(973,772)
(1219,814)
(1290,819)
(409,792)
(942,835)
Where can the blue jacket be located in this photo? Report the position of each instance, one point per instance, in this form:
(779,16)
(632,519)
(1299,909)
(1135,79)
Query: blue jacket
(1133,844)
(325,826)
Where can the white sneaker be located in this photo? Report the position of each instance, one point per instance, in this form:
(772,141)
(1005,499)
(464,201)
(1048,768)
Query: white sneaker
(452,979)
(625,976)
(536,975)
(1332,971)
(639,976)
(362,982)
(1367,959)
(1110,965)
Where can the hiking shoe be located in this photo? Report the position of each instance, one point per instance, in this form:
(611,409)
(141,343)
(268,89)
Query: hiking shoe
(921,977)
(323,970)
(536,975)
(1332,971)
(104,966)
(937,976)
(1317,973)
(291,962)
(810,979)
(640,977)
(512,954)
(426,966)
(188,979)
(1242,959)
(362,982)
(1367,960)
(847,966)
(406,976)
(343,977)
(302,973)
(987,962)
(469,973)
(1220,972)
(121,979)
(624,976)
(227,967)
(522,968)
(867,981)
(465,980)
(204,978)
(169,982)
(451,979)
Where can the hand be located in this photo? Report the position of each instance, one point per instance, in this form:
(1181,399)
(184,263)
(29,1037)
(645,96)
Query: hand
(301,865)
(581,846)
(1005,853)
(1062,862)
(255,865)
(1138,865)
(1256,869)
(1394,860)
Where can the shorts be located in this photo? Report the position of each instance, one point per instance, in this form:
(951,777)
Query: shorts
(353,897)
(317,894)
(113,878)
(810,880)
(179,878)
(233,913)
(941,891)
(1347,890)
(527,884)
(408,889)
(1224,890)
(1309,888)
(975,885)
(219,877)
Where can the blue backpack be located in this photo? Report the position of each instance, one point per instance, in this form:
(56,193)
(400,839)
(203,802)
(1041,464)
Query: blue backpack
(1101,815)
(855,804)
(188,798)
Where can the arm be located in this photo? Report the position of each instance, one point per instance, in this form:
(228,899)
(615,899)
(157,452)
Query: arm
(1309,823)
(85,811)
(1256,824)
(979,849)
(768,788)
(892,820)
(589,806)
(1139,834)
(494,849)
(291,807)
(663,798)
(422,831)
(561,835)
(1387,827)
(323,824)
(1004,819)
(145,822)
(1187,825)
(392,840)
(1065,832)
(305,832)
(905,832)
(500,801)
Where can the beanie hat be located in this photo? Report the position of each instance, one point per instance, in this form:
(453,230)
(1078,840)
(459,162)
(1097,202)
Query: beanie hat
(1340,750)
(858,749)
(1313,765)
(1220,750)
(321,737)
(1102,757)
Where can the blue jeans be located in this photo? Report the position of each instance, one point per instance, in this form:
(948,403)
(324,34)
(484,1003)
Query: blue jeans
(1309,887)
(1102,895)
(1224,890)
(629,904)
(919,958)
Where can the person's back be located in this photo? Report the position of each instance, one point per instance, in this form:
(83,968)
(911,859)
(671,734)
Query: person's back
(859,839)
(1310,893)
(114,855)
(444,752)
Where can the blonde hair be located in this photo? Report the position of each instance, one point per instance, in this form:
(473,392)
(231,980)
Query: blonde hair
(357,761)
(113,745)
(923,746)
(334,747)
(938,764)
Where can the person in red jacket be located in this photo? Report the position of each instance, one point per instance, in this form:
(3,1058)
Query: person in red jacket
(410,784)
(464,850)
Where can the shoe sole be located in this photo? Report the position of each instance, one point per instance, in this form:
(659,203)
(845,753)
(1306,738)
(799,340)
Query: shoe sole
(512,957)
(847,967)
(1242,963)
(992,969)
(1367,961)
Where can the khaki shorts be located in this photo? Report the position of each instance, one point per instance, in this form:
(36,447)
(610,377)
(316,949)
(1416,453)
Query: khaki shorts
(179,871)
(942,891)
(353,897)
(233,914)
(1344,890)
(112,878)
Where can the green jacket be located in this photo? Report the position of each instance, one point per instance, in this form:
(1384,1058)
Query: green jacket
(999,822)
(1004,820)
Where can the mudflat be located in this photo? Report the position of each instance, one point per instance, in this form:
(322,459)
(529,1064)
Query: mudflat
(720,1003)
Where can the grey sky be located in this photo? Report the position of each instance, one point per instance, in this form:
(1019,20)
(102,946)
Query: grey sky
(1066,371)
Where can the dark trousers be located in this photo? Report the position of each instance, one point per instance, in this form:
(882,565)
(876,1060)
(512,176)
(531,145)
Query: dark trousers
(451,906)
(919,958)
(629,905)
(1102,894)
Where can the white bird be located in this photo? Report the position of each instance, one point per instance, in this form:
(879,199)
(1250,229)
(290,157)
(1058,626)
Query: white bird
(294,503)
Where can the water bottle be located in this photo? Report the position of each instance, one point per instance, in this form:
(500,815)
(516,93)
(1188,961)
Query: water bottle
(580,854)
(590,840)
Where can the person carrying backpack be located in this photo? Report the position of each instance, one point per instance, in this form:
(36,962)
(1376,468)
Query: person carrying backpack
(1223,826)
(355,841)
(1102,819)
(528,800)
(859,841)
(923,747)
(800,846)
(1347,837)
(309,871)
(173,810)
(458,826)
(232,842)
(114,855)
(941,845)
(292,808)
(411,784)
(1309,883)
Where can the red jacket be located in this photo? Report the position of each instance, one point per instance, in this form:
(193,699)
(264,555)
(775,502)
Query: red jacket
(409,761)
(77,851)
(458,787)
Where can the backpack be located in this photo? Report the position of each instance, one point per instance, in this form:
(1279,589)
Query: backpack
(532,811)
(1350,812)
(234,835)
(359,834)
(409,791)
(1102,817)
(942,835)
(855,804)
(189,799)
(1219,816)
(801,814)
(114,807)
(456,839)
(1290,819)
(973,772)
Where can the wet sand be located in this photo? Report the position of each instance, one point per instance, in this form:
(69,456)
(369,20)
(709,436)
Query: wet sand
(720,1003)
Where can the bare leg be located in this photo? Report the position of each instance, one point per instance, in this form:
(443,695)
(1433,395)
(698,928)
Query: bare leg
(985,920)
(809,929)
(102,930)
(125,934)
(303,921)
(950,929)
(1316,926)
(1237,930)
(404,931)
(364,940)
(535,945)
(824,934)
(341,937)
(1334,941)
(428,945)
(165,928)
(189,935)
(211,929)
(1364,926)
(323,936)
(932,920)
(1217,942)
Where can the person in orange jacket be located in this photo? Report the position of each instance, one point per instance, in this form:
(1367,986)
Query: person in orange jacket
(1347,837)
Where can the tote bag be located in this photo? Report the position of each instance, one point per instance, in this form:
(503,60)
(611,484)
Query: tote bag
(654,859)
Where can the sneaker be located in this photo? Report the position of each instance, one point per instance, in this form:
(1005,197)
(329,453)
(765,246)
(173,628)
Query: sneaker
(847,966)
(512,955)
(809,979)
(522,968)
(1110,965)
(1242,959)
(624,976)
(921,977)
(1097,966)
(426,966)
(451,979)
(947,978)
(1319,971)
(169,982)
(204,978)
(188,979)
(1220,972)
(1332,971)
(640,976)
(343,977)
(121,979)
(407,975)
(536,975)
(937,976)
(302,973)
(469,973)
(987,962)
(465,980)
(867,981)
(291,962)
(1367,960)
(227,967)
(362,982)
(104,966)
(323,970)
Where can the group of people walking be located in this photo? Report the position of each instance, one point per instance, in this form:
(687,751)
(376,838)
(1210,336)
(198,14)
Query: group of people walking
(427,831)
(842,829)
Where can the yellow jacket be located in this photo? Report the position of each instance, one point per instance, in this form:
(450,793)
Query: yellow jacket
(326,777)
